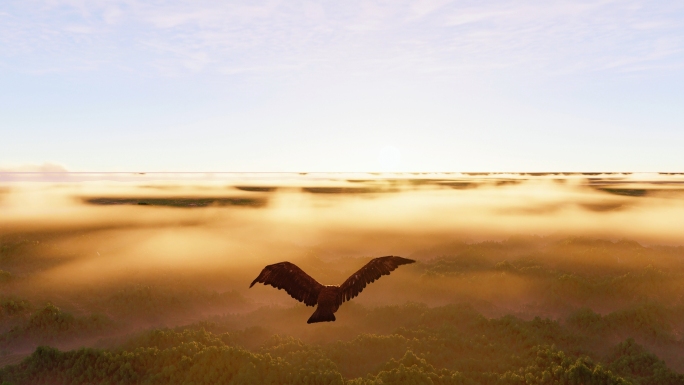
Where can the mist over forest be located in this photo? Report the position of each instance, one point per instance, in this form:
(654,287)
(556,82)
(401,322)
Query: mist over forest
(520,279)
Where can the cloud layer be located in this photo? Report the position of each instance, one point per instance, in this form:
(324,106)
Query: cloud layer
(41,168)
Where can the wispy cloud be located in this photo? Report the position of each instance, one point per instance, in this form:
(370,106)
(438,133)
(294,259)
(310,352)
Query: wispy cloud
(440,35)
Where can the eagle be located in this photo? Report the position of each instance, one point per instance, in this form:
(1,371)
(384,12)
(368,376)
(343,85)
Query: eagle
(303,288)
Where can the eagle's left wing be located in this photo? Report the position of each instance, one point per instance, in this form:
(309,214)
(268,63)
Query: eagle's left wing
(295,281)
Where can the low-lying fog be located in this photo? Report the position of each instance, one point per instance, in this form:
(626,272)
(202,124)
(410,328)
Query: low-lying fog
(97,232)
(168,252)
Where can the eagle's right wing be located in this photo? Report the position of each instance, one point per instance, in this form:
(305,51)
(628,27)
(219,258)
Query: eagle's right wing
(295,281)
(373,270)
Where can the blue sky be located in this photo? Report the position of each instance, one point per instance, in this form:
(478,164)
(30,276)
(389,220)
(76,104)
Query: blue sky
(130,85)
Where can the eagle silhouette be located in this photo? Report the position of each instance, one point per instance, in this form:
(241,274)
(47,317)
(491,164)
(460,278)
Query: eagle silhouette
(303,288)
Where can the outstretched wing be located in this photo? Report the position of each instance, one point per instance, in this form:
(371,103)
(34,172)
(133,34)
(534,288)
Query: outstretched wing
(373,270)
(295,281)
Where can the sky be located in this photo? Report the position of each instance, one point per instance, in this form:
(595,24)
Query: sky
(250,86)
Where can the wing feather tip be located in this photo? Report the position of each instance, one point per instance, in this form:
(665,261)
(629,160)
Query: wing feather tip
(256,280)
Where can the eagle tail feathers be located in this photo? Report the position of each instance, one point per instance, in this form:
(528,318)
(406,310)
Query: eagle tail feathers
(321,316)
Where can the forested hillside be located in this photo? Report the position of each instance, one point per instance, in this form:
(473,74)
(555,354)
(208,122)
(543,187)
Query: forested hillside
(527,310)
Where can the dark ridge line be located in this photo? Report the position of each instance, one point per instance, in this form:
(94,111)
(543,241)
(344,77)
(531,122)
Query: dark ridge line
(256,188)
(177,202)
